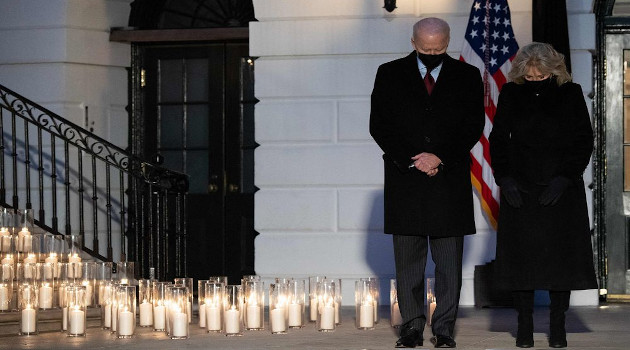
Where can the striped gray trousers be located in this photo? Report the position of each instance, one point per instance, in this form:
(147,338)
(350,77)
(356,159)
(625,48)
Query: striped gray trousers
(410,254)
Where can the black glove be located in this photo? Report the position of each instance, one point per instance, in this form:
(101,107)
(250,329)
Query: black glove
(511,192)
(554,191)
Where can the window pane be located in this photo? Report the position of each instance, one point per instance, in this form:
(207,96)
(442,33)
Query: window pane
(197,126)
(197,80)
(197,169)
(171,127)
(173,160)
(171,81)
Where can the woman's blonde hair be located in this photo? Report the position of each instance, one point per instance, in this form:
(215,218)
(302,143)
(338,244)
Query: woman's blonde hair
(541,56)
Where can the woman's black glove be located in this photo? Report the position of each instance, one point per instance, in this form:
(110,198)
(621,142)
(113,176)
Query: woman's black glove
(511,192)
(554,191)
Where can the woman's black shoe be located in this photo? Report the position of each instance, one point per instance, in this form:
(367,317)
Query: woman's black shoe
(524,343)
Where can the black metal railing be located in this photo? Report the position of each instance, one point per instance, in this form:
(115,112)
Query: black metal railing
(87,186)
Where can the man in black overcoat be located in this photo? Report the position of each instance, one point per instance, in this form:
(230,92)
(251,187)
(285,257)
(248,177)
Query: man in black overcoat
(427,113)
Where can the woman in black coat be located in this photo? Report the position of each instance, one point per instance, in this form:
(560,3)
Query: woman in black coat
(540,144)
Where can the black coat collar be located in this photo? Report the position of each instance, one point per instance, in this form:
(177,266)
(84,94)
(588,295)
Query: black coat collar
(445,78)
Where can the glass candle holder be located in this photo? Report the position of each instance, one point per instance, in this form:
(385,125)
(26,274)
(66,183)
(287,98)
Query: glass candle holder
(7,245)
(27,304)
(278,308)
(46,294)
(24,228)
(114,310)
(146,303)
(51,270)
(74,268)
(178,312)
(106,297)
(73,245)
(63,304)
(249,278)
(232,321)
(125,272)
(76,309)
(201,297)
(219,279)
(375,287)
(312,293)
(27,273)
(6,287)
(254,305)
(213,305)
(338,300)
(395,318)
(431,301)
(7,222)
(296,303)
(103,272)
(126,315)
(325,291)
(188,283)
(364,302)
(88,280)
(159,306)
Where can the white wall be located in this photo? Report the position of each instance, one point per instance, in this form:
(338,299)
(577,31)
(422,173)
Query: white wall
(57,53)
(319,210)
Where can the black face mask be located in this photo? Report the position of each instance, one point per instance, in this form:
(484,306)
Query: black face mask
(431,61)
(539,85)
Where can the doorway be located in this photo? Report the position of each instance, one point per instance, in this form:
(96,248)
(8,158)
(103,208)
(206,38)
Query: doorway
(198,120)
(617,124)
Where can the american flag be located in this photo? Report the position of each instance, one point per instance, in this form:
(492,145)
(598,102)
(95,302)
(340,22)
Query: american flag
(490,46)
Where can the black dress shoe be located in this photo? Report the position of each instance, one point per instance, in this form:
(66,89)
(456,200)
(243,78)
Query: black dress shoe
(410,337)
(443,341)
(524,343)
(557,343)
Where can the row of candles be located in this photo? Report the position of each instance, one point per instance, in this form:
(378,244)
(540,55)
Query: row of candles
(228,309)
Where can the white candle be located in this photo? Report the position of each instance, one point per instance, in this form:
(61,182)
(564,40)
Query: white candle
(125,323)
(45,297)
(159,317)
(396,316)
(76,321)
(295,315)
(180,324)
(29,320)
(114,317)
(366,315)
(232,321)
(327,320)
(337,313)
(278,320)
(253,316)
(313,309)
(64,318)
(202,315)
(5,242)
(28,243)
(4,298)
(146,314)
(431,310)
(24,245)
(213,317)
(189,311)
(74,270)
(107,316)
